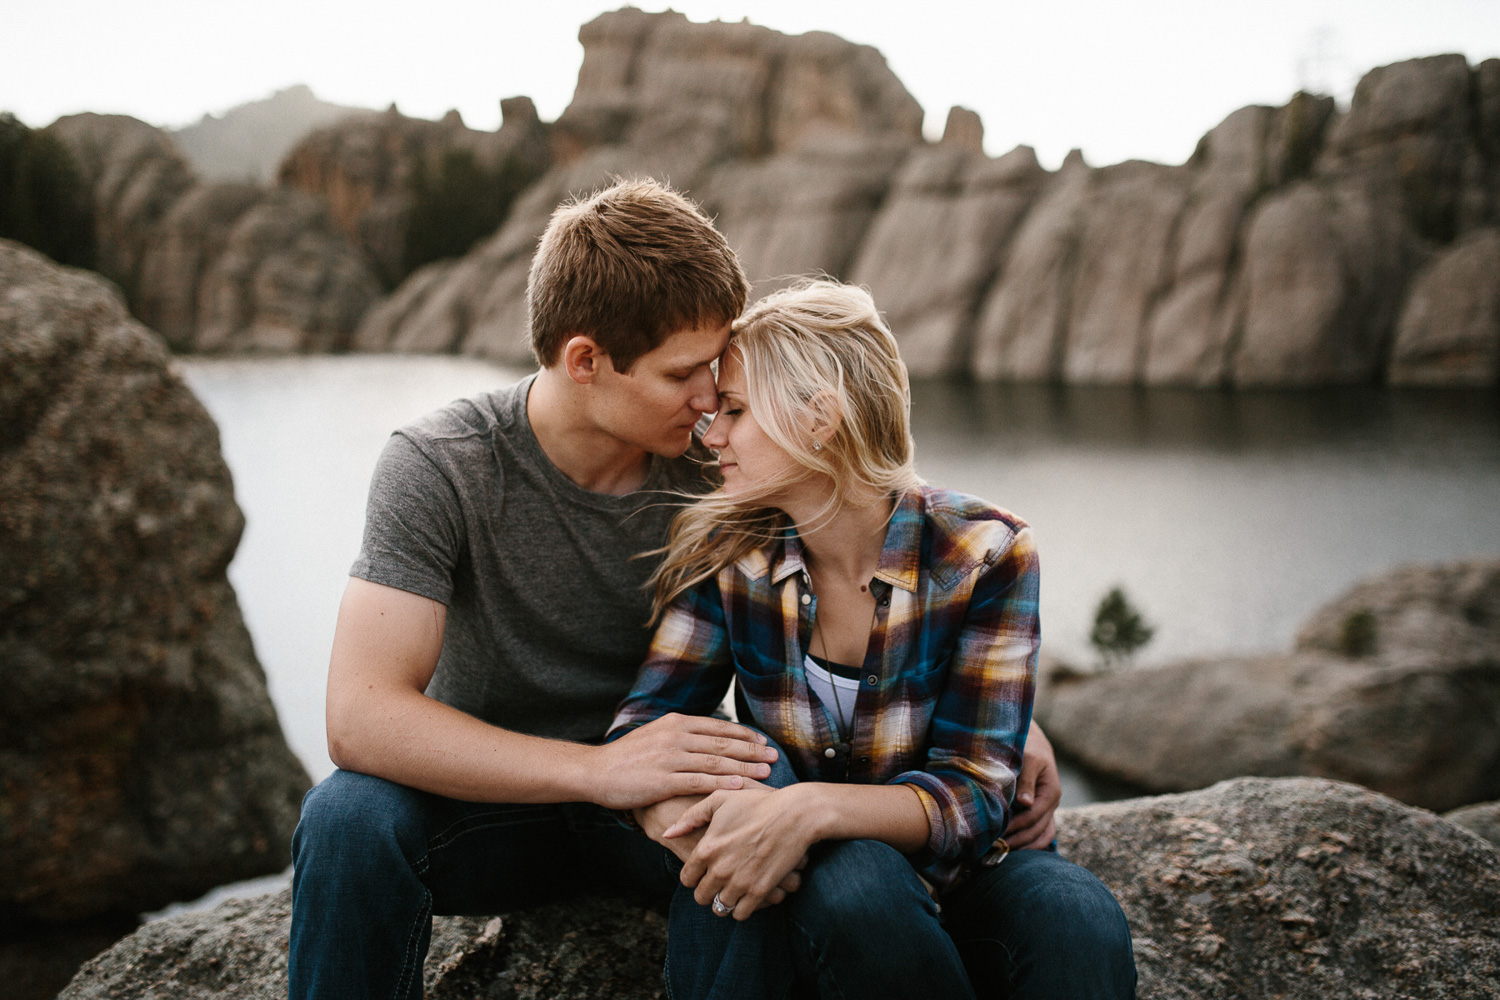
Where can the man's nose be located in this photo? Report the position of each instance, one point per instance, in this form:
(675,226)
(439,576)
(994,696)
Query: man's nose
(714,436)
(705,397)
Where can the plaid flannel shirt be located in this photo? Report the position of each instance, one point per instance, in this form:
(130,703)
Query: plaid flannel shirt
(947,682)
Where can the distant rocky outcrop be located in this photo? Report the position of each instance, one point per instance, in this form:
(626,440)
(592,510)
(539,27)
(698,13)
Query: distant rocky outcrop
(223,267)
(141,760)
(792,141)
(1251,889)
(1395,686)
(248,142)
(1299,245)
(370,169)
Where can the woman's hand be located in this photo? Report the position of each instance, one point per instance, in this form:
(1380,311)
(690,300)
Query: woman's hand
(755,843)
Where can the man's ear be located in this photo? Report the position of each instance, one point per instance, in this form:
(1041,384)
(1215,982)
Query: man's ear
(582,359)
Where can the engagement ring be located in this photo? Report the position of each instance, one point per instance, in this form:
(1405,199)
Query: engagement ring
(720,909)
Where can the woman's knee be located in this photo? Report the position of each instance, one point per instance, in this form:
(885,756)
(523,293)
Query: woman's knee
(1042,902)
(859,884)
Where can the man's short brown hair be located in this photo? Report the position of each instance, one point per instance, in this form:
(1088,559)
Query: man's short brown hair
(630,266)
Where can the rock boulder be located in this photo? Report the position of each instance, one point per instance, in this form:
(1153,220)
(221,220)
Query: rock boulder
(1395,686)
(1449,329)
(1482,818)
(141,760)
(587,950)
(1260,888)
(1251,889)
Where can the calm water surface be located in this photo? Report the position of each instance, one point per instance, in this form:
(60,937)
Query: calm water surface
(1226,517)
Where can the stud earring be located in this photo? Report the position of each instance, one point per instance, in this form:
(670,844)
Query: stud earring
(817,446)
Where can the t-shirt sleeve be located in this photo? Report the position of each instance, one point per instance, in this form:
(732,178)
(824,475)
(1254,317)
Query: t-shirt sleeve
(413,524)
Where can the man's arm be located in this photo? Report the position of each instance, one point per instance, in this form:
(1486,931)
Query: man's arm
(385,650)
(1038,791)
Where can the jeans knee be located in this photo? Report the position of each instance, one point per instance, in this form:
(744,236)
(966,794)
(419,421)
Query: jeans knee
(353,815)
(859,885)
(1050,906)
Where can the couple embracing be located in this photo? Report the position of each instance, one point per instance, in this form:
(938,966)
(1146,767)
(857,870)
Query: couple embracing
(558,587)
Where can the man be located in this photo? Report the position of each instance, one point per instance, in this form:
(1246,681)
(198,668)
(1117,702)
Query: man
(496,616)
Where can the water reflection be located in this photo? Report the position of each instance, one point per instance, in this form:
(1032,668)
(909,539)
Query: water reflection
(1402,423)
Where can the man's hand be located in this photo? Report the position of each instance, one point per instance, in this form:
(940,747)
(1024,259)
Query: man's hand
(677,755)
(1038,791)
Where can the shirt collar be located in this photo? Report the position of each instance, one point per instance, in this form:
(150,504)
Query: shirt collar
(900,557)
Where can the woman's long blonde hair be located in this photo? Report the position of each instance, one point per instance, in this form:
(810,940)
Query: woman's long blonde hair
(812,353)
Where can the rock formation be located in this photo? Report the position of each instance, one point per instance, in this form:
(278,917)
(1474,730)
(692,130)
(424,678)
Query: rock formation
(1253,888)
(220,267)
(364,167)
(1283,253)
(1395,686)
(791,141)
(143,762)
(1296,888)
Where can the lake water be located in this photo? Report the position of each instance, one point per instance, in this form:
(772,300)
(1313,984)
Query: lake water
(1226,517)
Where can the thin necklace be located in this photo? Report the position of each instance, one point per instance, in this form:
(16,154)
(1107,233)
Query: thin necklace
(838,708)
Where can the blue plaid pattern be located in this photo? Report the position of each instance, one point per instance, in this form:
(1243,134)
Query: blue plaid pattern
(947,682)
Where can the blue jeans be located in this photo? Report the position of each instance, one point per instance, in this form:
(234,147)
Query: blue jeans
(375,860)
(863,926)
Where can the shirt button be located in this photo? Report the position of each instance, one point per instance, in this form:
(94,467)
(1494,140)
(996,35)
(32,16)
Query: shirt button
(806,598)
(872,680)
(885,601)
(864,760)
(830,753)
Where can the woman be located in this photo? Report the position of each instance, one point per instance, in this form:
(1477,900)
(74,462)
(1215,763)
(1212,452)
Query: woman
(884,634)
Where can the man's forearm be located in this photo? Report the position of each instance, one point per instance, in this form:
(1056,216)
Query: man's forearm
(414,740)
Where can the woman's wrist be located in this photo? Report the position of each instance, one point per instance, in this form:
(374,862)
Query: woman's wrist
(809,803)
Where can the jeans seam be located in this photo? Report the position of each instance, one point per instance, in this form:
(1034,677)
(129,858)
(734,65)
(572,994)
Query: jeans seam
(817,957)
(408,961)
(460,827)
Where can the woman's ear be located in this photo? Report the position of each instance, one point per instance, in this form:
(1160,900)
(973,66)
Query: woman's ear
(582,358)
(827,417)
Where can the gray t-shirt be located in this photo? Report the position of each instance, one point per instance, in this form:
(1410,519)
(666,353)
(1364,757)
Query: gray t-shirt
(546,609)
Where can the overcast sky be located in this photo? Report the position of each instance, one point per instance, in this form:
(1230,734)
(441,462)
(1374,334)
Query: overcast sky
(1116,78)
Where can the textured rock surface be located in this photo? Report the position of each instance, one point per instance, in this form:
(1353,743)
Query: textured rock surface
(141,761)
(587,950)
(792,140)
(285,281)
(363,166)
(937,242)
(1449,330)
(221,267)
(1251,889)
(1295,888)
(1395,686)
(136,174)
(1482,818)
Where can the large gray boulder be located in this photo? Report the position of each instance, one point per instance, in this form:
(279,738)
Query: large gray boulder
(1260,888)
(1252,889)
(1395,686)
(583,950)
(140,756)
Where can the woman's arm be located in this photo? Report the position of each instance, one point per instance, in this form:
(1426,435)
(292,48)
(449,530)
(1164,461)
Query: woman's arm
(981,718)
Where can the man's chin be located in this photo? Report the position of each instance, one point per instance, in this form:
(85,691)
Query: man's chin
(674,447)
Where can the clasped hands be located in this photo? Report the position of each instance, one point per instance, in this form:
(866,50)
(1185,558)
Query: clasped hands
(691,783)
